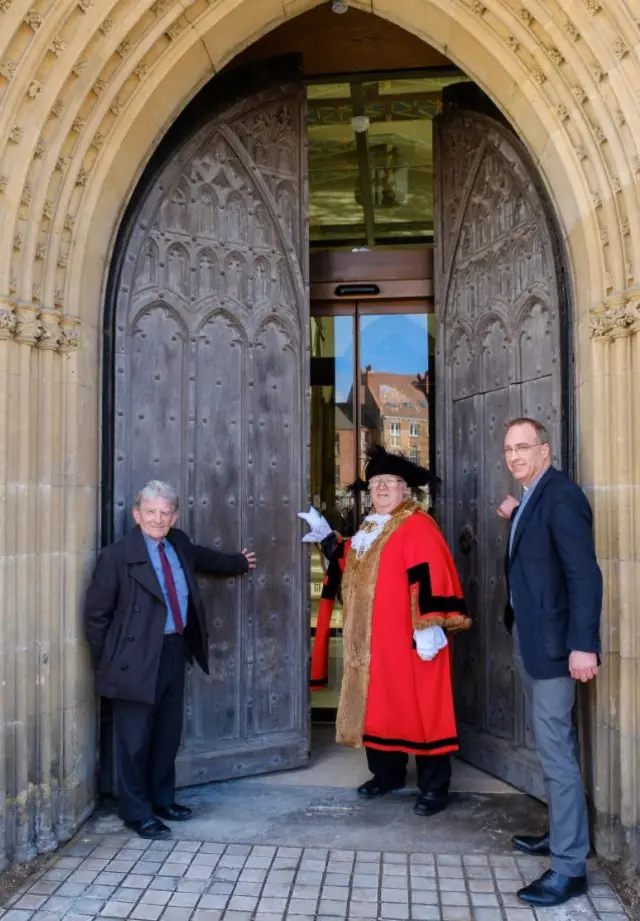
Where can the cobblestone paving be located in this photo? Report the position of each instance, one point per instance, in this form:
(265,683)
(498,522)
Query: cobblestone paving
(118,877)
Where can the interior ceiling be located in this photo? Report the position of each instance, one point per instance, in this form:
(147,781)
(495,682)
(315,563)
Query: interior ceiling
(326,41)
(376,187)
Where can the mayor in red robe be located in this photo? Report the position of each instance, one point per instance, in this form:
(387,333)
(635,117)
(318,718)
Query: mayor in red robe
(401,599)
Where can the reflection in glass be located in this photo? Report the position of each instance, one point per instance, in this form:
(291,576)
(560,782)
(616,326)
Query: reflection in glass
(394,395)
(395,379)
(333,456)
(333,463)
(333,166)
(391,172)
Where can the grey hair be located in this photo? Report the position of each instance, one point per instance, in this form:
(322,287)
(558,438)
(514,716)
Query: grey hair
(156,489)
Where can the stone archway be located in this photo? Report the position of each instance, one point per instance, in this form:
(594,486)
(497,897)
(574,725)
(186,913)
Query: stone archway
(87,91)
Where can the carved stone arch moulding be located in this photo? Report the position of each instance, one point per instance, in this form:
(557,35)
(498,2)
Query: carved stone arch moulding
(144,52)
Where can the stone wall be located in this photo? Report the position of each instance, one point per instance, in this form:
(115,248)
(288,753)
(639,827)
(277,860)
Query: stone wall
(87,89)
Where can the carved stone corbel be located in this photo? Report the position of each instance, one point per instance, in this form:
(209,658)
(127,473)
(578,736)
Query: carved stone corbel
(616,321)
(50,329)
(69,338)
(7,319)
(28,326)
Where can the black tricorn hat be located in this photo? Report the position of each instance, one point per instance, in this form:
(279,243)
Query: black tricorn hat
(381,462)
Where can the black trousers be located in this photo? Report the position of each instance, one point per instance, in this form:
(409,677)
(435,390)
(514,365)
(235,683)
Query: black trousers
(148,738)
(434,771)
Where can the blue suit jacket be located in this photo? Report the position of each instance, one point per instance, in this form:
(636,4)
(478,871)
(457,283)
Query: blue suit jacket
(554,578)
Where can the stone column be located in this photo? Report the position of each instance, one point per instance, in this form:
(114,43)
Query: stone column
(7,328)
(47,738)
(616,364)
(79,735)
(25,574)
(48,570)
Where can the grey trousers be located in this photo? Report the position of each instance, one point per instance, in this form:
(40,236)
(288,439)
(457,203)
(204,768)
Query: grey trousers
(551,704)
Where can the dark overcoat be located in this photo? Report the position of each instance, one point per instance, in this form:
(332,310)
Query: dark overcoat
(553,578)
(125,612)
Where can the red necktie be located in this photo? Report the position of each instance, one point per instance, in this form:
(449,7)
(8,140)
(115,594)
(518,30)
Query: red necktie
(171,589)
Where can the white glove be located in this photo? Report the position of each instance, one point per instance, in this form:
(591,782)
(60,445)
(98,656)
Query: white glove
(429,642)
(320,527)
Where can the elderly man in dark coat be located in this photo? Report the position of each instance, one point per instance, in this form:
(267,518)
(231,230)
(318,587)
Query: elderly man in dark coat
(144,618)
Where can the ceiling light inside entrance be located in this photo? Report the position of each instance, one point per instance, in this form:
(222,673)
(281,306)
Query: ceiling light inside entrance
(360,123)
(339,6)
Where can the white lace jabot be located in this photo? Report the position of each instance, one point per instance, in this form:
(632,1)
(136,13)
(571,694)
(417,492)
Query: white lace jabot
(368,533)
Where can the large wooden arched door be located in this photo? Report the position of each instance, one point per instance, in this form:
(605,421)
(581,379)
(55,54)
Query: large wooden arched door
(499,356)
(211,374)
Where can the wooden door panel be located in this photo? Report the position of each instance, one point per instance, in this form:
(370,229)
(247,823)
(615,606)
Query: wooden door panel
(502,691)
(211,377)
(464,537)
(157,411)
(277,590)
(497,303)
(216,519)
(538,342)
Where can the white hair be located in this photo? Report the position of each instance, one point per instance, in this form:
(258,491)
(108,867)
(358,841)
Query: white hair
(156,489)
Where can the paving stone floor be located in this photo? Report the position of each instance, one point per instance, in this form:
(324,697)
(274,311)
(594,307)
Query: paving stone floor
(115,876)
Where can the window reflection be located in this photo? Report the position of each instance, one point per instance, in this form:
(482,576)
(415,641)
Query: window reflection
(391,173)
(389,401)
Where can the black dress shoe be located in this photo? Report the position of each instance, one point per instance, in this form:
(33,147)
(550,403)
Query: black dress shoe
(149,828)
(538,845)
(553,889)
(173,813)
(431,803)
(374,787)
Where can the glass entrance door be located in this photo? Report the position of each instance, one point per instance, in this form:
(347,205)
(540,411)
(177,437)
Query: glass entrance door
(371,382)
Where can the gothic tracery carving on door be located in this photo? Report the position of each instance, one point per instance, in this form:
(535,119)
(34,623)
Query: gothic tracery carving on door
(497,302)
(210,394)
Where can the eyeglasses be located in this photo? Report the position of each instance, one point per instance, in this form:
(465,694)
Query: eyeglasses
(521,449)
(386,481)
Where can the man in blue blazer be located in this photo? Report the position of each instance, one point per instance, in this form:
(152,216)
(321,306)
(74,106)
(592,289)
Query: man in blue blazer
(555,599)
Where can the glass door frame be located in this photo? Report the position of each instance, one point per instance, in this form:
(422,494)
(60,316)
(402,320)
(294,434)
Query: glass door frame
(323,712)
(368,306)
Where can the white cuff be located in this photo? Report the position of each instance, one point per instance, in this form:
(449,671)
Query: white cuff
(429,642)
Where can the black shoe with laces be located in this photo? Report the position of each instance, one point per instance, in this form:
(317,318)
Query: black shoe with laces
(552,889)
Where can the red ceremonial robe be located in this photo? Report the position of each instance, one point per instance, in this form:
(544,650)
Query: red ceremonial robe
(390,698)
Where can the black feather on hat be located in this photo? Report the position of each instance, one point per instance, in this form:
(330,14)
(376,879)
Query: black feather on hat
(381,462)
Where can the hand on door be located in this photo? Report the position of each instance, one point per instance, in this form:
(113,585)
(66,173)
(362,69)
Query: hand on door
(251,558)
(507,507)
